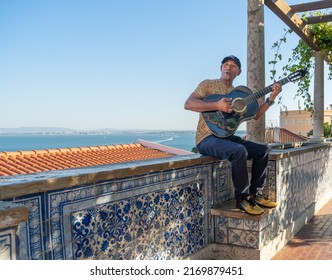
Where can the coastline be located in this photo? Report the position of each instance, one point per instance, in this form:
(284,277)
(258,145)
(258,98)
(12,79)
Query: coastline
(41,140)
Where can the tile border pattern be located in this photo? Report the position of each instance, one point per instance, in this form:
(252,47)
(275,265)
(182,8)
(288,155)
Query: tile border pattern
(160,215)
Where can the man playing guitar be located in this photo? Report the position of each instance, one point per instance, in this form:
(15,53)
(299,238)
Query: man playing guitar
(249,195)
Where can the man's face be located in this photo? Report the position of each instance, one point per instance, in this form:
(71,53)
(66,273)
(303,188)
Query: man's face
(230,70)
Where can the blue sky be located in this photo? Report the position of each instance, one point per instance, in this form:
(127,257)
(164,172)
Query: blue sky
(128,64)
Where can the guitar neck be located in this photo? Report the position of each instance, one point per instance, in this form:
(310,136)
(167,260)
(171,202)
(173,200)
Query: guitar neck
(254,96)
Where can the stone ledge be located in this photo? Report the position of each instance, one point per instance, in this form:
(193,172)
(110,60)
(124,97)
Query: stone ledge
(19,185)
(286,151)
(228,209)
(12,214)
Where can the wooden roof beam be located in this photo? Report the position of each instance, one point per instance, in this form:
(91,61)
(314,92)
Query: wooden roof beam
(314,6)
(318,19)
(293,21)
(318,5)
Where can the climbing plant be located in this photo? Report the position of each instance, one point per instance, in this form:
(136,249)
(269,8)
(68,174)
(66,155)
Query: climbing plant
(302,57)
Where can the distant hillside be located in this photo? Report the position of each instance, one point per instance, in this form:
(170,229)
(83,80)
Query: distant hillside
(36,130)
(63,130)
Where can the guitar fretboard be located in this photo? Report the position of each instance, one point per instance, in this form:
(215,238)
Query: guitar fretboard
(258,94)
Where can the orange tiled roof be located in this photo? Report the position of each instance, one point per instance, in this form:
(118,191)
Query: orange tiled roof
(283,135)
(25,162)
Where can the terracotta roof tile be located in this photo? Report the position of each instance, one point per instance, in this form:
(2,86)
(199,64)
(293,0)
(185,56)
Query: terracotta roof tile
(25,162)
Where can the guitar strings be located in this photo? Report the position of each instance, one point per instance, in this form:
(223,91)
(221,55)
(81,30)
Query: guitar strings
(253,97)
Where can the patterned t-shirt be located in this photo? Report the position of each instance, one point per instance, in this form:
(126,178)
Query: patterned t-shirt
(204,89)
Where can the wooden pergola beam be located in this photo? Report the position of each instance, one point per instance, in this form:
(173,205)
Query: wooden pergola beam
(314,6)
(318,19)
(305,7)
(288,16)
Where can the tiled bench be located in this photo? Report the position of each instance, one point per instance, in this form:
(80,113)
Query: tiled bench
(238,235)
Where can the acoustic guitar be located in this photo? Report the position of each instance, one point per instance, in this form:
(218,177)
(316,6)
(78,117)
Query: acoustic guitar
(245,106)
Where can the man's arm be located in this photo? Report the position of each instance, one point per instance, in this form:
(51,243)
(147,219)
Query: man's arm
(195,103)
(276,89)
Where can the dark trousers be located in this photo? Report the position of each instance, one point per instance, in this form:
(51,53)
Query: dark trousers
(237,151)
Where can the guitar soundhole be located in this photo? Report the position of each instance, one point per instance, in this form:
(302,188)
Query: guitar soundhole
(239,105)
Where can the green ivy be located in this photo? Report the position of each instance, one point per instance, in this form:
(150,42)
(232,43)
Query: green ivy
(302,57)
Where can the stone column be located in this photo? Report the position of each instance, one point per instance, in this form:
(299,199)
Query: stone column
(256,63)
(318,114)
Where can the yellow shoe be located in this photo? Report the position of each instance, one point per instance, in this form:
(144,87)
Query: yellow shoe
(263,201)
(249,206)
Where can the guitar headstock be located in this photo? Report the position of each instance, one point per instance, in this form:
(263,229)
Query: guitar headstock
(297,75)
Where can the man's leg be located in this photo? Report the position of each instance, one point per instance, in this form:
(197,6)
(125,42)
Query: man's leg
(236,154)
(259,153)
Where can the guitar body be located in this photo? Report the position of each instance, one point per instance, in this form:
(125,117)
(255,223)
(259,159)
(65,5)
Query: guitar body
(225,124)
(245,106)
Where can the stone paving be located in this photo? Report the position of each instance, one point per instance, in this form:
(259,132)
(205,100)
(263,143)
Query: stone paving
(313,241)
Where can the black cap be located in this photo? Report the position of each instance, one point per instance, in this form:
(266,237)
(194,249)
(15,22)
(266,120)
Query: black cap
(234,58)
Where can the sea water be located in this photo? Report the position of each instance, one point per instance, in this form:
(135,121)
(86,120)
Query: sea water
(18,142)
(184,140)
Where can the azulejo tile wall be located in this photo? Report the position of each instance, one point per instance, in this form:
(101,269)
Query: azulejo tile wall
(161,215)
(7,244)
(300,183)
(246,231)
(142,226)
